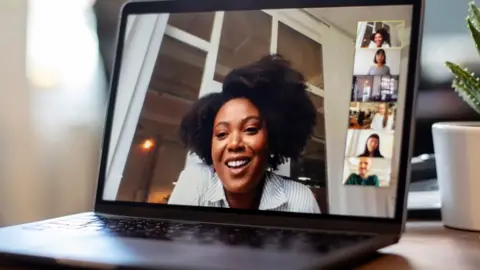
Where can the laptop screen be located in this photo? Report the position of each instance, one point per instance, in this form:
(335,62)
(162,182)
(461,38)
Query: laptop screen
(291,110)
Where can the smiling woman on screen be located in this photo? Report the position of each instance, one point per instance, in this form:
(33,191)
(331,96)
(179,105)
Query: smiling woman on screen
(372,147)
(381,39)
(262,117)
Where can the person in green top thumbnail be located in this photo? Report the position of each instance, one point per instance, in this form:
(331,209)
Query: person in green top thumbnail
(362,178)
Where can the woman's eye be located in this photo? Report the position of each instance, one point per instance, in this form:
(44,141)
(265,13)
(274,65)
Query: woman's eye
(251,130)
(221,135)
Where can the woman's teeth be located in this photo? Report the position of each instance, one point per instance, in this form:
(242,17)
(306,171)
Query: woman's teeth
(237,163)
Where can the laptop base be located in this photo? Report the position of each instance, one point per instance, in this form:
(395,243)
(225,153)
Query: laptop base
(80,247)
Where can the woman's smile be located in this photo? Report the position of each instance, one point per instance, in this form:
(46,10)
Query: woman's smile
(238,165)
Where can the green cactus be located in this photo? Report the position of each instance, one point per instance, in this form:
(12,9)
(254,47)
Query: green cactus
(466,84)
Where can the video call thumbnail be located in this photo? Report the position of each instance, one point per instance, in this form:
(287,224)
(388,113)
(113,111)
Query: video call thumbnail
(379,116)
(365,171)
(369,143)
(377,62)
(375,88)
(380,34)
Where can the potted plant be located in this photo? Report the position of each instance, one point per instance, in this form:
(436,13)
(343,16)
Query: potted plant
(457,147)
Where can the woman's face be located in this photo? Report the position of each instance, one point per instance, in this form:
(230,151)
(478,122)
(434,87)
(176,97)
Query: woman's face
(381,108)
(378,39)
(363,167)
(380,58)
(372,144)
(239,146)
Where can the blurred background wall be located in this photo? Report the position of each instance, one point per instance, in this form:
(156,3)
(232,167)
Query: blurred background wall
(18,167)
(54,89)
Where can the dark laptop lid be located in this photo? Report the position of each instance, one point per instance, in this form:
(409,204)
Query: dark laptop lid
(260,112)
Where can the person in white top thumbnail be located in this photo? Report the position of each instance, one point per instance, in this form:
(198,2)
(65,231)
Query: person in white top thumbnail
(383,119)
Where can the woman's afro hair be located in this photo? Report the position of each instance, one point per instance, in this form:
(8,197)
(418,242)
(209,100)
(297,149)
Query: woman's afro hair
(280,94)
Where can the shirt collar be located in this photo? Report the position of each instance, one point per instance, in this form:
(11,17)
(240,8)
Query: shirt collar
(273,192)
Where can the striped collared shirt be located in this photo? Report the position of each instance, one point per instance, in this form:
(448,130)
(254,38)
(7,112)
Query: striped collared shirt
(198,185)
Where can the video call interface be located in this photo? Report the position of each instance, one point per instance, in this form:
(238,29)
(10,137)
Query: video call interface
(233,109)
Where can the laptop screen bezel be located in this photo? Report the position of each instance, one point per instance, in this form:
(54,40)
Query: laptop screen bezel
(265,218)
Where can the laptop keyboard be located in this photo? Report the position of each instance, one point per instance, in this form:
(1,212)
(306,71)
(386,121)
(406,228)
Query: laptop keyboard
(266,238)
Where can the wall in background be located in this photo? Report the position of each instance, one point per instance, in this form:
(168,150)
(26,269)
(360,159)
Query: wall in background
(51,110)
(18,167)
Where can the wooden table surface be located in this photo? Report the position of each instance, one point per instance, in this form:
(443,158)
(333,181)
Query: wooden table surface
(426,245)
(429,245)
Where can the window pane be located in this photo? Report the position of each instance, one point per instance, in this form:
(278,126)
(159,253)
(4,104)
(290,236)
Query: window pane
(178,70)
(303,52)
(198,24)
(152,168)
(310,167)
(368,34)
(245,39)
(389,88)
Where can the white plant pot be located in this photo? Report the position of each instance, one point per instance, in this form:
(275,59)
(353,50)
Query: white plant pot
(457,154)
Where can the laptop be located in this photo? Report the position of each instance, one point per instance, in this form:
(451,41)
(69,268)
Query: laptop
(247,134)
